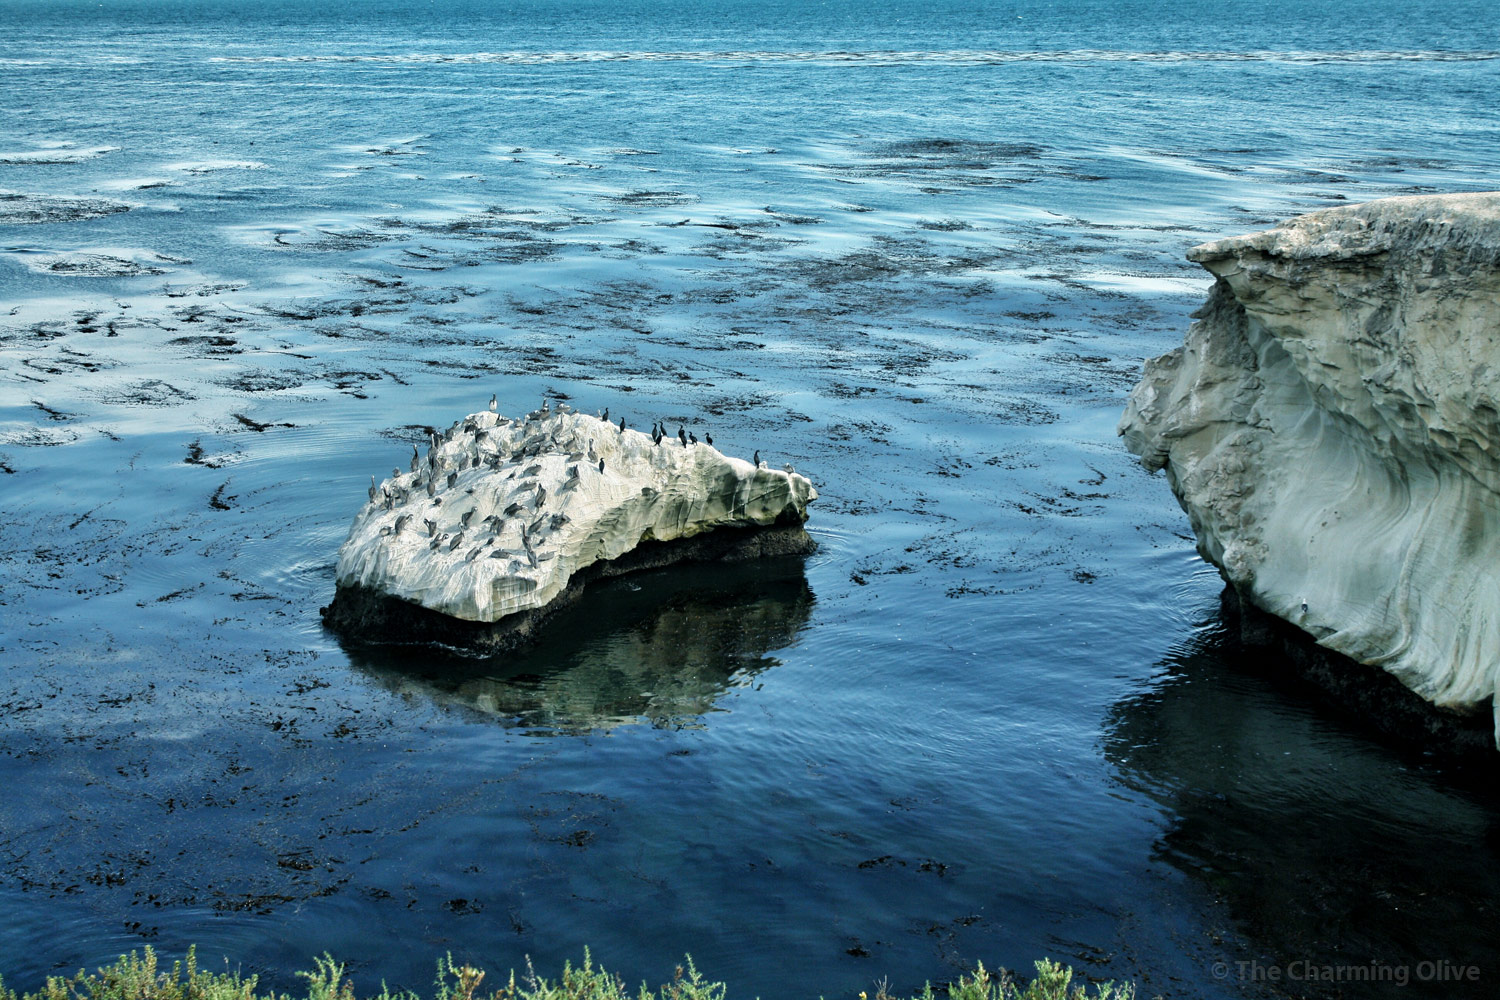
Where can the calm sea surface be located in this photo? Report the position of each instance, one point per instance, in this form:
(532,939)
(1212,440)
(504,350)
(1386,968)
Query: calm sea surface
(249,251)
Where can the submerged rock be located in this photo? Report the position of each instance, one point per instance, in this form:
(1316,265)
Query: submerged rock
(1331,427)
(505,521)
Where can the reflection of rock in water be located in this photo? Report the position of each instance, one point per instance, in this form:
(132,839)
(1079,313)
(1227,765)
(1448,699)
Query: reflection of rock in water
(1322,845)
(658,647)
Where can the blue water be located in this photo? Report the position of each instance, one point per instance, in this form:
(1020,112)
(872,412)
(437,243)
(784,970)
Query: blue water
(249,251)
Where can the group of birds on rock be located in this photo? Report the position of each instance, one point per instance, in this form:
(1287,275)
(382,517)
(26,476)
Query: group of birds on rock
(439,472)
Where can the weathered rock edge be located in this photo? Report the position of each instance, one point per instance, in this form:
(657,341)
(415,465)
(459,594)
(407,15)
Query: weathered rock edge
(1331,426)
(370,615)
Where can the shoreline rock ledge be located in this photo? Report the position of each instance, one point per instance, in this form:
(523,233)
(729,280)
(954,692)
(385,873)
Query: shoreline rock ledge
(504,522)
(1331,426)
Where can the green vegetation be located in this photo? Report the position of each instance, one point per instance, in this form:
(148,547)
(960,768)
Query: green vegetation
(138,977)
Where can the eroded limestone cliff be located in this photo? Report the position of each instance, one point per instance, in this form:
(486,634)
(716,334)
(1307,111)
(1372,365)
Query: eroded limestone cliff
(1331,427)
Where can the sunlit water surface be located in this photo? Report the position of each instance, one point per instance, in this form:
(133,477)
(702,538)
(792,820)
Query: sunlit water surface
(250,251)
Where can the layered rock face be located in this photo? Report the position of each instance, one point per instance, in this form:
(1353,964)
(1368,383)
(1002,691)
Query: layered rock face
(504,519)
(1331,427)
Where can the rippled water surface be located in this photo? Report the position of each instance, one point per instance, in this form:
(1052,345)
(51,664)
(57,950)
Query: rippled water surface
(250,251)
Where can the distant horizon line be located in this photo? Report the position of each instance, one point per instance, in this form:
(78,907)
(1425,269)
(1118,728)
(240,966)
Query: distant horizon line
(956,56)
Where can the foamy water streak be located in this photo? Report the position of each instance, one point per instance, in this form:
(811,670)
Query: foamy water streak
(878,57)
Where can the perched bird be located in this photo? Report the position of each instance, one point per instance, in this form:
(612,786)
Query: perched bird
(513,510)
(431,527)
(546,407)
(593,455)
(622,425)
(708,438)
(541,496)
(531,557)
(494,404)
(601,465)
(395,473)
(757,459)
(692,438)
(558,520)
(436,542)
(402,522)
(469,557)
(605,415)
(790,468)
(452,478)
(467,516)
(416,459)
(572,473)
(374,491)
(458,540)
(431,487)
(682,435)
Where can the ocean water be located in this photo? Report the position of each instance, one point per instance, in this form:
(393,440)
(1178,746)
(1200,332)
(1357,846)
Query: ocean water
(250,251)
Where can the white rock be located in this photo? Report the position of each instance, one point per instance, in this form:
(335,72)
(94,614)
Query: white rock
(540,510)
(1331,427)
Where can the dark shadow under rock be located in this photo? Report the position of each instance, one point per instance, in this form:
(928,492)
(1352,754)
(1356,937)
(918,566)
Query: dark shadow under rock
(368,615)
(661,647)
(1359,689)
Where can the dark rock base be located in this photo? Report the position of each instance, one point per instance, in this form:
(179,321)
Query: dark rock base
(1364,691)
(370,615)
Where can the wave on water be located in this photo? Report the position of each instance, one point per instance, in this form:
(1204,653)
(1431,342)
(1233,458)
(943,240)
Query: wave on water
(876,57)
(209,166)
(57,154)
(72,58)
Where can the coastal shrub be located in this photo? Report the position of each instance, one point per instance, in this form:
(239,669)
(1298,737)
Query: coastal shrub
(1053,981)
(139,977)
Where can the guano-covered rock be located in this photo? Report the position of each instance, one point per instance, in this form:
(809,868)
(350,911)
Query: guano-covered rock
(504,521)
